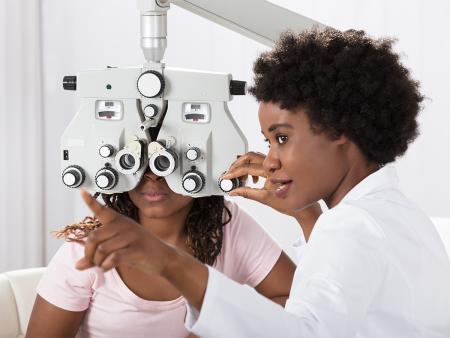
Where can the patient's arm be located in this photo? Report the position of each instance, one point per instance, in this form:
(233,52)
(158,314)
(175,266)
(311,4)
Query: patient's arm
(277,283)
(50,321)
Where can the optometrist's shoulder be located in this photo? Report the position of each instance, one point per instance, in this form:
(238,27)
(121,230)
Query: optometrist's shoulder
(262,265)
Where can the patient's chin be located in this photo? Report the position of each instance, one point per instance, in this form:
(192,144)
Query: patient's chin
(161,210)
(155,212)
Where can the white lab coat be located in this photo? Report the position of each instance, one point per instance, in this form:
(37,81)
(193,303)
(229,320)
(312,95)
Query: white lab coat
(374,267)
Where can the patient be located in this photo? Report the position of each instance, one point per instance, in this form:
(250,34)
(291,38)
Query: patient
(124,302)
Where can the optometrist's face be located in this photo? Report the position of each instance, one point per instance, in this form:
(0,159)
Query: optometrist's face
(155,199)
(307,166)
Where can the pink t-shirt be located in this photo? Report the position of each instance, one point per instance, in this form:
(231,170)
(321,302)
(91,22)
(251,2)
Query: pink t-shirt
(248,255)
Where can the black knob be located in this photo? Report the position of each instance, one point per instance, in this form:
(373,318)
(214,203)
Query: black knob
(70,82)
(238,87)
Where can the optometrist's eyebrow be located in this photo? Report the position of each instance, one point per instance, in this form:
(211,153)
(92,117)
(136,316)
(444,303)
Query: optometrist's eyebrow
(279,125)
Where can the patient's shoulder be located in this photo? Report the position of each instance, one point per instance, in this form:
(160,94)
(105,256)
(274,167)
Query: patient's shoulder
(70,250)
(248,252)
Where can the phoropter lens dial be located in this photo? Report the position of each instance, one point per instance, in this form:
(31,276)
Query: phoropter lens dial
(129,160)
(163,162)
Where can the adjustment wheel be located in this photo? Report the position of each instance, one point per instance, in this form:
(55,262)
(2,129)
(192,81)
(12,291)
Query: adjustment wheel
(193,153)
(150,84)
(73,176)
(106,150)
(106,178)
(228,185)
(150,111)
(193,182)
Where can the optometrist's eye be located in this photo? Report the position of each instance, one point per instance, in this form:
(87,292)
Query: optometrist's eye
(266,140)
(281,139)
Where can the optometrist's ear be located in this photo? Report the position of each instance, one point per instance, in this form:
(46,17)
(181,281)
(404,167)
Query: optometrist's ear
(342,140)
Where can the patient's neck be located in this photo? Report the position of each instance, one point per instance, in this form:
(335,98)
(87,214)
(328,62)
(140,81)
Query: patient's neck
(170,229)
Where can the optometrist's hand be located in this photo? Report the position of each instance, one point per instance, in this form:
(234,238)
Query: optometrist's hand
(121,241)
(251,164)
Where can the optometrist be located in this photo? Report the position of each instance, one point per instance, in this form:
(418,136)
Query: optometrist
(336,109)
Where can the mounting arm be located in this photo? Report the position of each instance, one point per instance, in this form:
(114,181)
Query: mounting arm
(258,20)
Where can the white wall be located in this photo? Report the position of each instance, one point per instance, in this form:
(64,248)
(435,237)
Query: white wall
(86,34)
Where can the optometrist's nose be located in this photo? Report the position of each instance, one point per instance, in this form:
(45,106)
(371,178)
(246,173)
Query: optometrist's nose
(271,162)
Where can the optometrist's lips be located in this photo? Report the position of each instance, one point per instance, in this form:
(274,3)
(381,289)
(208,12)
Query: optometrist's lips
(282,187)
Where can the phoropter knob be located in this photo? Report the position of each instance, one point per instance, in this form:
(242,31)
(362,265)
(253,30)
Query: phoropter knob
(193,153)
(150,111)
(193,182)
(150,83)
(238,87)
(73,176)
(106,150)
(106,178)
(226,185)
(70,82)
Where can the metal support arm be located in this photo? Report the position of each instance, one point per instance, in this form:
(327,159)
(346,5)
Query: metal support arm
(258,20)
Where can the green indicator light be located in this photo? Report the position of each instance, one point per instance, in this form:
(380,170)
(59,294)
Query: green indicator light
(108,86)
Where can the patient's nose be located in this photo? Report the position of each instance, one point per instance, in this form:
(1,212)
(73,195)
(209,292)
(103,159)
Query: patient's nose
(151,176)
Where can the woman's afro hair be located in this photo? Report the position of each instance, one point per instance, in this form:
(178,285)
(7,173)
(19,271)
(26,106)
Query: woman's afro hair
(348,84)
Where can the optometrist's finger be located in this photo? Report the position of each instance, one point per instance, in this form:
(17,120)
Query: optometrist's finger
(116,258)
(245,162)
(109,246)
(250,157)
(83,264)
(104,214)
(90,248)
(252,169)
(95,238)
(243,179)
(259,195)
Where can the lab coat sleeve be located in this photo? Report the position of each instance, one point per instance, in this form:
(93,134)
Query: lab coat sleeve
(335,282)
(231,309)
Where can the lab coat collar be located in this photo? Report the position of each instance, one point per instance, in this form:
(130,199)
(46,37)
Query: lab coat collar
(382,179)
(299,249)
